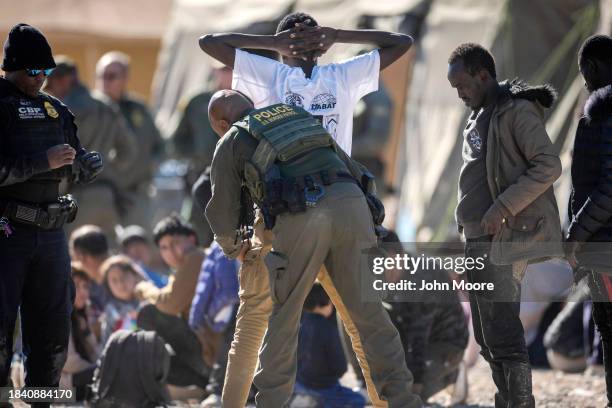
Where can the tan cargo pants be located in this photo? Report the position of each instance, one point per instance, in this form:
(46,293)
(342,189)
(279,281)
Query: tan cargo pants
(333,233)
(251,320)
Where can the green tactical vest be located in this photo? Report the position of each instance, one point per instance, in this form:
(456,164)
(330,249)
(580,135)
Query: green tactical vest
(284,132)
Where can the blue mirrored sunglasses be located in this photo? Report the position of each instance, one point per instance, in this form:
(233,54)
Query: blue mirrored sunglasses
(35,72)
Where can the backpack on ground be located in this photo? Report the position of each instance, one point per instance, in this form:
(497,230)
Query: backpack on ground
(132,371)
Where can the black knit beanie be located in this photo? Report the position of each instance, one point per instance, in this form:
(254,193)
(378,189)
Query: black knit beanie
(26,48)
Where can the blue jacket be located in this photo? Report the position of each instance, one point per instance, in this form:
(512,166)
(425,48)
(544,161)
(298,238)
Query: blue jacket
(321,360)
(216,293)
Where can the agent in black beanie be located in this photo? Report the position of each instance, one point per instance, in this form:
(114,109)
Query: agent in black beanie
(40,151)
(26,48)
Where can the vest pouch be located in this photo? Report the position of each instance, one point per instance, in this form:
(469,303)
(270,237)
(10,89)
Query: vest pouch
(294,196)
(273,192)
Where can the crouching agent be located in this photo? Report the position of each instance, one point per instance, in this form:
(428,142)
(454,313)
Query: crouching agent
(318,215)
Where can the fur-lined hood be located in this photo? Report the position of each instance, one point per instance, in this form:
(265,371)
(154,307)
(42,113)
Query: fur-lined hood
(545,94)
(599,105)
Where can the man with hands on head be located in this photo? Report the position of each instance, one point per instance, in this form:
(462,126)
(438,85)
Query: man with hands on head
(38,149)
(330,93)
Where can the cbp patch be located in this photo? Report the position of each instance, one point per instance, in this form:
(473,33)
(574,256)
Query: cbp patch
(51,110)
(30,112)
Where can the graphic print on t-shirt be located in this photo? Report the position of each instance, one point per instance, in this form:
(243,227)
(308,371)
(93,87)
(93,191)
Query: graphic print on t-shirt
(326,102)
(294,99)
(323,101)
(329,122)
(474,140)
(330,92)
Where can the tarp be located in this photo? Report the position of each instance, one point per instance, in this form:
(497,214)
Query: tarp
(536,40)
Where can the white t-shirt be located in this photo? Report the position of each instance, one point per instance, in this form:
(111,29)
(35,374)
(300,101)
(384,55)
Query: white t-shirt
(330,94)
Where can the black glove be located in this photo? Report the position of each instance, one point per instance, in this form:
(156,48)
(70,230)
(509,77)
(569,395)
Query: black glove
(90,165)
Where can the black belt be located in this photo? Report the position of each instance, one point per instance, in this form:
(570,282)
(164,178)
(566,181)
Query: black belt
(44,216)
(325,178)
(295,195)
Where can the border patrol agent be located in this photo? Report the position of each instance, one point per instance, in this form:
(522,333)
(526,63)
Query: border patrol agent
(309,195)
(38,149)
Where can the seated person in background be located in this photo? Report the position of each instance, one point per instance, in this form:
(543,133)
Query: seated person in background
(83,347)
(433,329)
(89,248)
(213,316)
(571,341)
(168,311)
(321,360)
(121,275)
(135,244)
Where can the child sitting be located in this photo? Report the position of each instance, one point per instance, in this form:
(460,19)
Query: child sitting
(321,360)
(135,244)
(83,347)
(121,275)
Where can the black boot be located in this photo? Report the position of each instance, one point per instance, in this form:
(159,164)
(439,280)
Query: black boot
(499,378)
(606,344)
(518,376)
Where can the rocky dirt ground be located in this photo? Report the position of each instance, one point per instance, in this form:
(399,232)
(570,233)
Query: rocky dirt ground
(552,390)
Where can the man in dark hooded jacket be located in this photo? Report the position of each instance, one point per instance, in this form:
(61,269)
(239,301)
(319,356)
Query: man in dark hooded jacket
(591,199)
(507,209)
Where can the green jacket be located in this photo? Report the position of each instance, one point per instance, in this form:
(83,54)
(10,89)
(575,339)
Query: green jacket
(101,128)
(194,138)
(522,165)
(150,142)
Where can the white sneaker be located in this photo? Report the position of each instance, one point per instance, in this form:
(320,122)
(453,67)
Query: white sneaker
(460,389)
(213,401)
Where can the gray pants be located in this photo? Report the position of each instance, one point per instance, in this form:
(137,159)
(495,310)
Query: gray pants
(333,233)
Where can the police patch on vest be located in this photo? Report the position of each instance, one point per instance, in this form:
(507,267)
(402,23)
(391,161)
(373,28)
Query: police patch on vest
(273,114)
(323,102)
(30,112)
(51,110)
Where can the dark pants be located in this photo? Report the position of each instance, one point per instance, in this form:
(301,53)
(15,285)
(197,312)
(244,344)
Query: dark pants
(601,287)
(443,359)
(217,376)
(81,382)
(497,327)
(187,367)
(35,274)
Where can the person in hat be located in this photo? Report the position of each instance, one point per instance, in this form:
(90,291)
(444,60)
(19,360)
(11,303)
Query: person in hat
(39,149)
